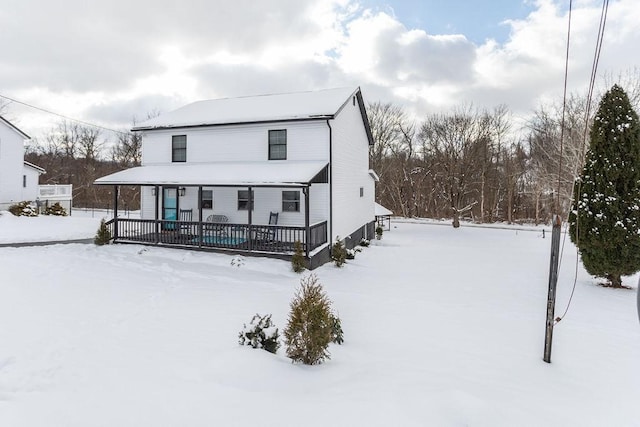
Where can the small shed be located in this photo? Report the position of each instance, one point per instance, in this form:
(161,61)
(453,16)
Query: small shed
(383,217)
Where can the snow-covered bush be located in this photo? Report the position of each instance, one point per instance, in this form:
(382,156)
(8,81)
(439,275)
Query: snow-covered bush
(103,235)
(56,209)
(298,263)
(261,333)
(310,327)
(364,243)
(351,253)
(338,252)
(23,209)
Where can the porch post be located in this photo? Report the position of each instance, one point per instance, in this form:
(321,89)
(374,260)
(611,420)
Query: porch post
(307,229)
(200,216)
(115,212)
(156,226)
(250,218)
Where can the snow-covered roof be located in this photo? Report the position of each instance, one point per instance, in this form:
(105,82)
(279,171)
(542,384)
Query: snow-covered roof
(14,128)
(254,109)
(285,173)
(32,166)
(382,211)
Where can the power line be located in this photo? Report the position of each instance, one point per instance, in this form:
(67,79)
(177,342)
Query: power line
(63,116)
(594,71)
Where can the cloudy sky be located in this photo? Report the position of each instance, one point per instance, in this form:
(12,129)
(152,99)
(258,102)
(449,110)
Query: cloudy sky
(108,62)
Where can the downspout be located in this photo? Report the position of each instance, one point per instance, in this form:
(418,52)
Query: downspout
(329,237)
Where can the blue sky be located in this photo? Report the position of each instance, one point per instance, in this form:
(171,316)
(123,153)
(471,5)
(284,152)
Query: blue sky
(477,20)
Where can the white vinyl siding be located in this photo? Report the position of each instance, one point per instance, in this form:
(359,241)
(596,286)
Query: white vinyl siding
(235,143)
(11,167)
(350,172)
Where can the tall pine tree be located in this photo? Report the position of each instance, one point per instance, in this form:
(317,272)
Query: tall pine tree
(605,218)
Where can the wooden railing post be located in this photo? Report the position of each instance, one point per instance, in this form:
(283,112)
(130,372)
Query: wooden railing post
(115,212)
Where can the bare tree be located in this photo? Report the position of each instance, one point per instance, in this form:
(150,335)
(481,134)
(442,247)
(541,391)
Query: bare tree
(455,141)
(554,163)
(127,151)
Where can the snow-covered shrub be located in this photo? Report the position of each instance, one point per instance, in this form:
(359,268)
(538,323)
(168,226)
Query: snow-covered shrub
(56,209)
(103,235)
(23,209)
(364,243)
(338,252)
(310,327)
(337,334)
(261,333)
(298,263)
(351,253)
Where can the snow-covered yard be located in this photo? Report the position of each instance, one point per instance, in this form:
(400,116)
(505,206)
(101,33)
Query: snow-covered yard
(443,327)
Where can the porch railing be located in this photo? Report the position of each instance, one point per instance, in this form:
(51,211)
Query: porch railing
(244,237)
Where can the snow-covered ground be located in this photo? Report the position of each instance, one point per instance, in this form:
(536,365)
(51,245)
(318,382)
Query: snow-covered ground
(20,229)
(442,327)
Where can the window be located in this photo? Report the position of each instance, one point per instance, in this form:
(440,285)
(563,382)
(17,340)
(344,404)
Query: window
(179,148)
(361,191)
(24,181)
(278,144)
(290,201)
(207,199)
(243,200)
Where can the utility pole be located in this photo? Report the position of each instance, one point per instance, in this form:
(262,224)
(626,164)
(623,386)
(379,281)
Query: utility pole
(553,281)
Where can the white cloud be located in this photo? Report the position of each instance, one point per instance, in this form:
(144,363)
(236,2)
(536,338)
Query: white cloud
(102,60)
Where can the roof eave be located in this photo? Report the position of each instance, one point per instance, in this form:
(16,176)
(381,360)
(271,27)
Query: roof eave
(36,167)
(203,125)
(14,128)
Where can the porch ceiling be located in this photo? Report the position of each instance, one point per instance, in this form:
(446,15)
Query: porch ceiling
(267,173)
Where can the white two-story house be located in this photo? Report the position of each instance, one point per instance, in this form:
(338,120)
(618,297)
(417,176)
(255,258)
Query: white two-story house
(255,175)
(18,179)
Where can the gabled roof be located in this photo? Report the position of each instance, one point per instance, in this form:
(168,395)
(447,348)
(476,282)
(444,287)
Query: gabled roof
(14,128)
(37,168)
(259,174)
(313,105)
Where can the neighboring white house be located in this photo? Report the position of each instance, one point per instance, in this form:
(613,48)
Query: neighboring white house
(300,159)
(18,179)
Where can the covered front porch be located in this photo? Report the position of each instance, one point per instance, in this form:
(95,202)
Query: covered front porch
(265,215)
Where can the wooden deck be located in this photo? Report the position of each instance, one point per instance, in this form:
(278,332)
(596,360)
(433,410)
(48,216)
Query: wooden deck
(274,239)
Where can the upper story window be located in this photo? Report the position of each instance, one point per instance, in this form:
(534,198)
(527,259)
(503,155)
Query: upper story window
(24,181)
(278,144)
(179,148)
(291,201)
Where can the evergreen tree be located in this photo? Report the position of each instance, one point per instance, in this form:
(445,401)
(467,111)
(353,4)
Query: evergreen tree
(605,217)
(298,262)
(103,235)
(311,324)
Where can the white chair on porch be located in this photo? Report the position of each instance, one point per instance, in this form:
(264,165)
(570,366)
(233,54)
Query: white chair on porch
(186,216)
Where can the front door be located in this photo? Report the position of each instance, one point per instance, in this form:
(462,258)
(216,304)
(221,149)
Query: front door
(169,207)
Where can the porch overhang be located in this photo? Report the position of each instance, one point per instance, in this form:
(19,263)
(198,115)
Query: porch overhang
(272,173)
